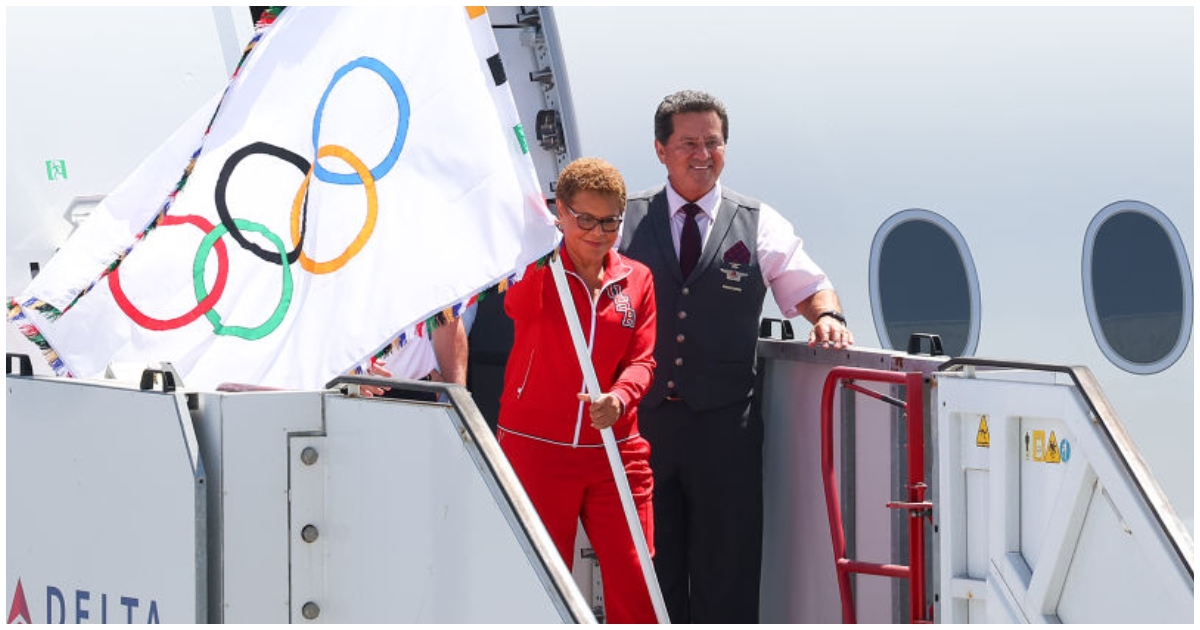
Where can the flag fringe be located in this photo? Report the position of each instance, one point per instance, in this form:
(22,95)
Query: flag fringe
(26,327)
(425,328)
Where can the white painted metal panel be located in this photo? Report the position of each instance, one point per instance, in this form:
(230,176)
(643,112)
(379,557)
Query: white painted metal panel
(246,437)
(799,580)
(408,524)
(1070,534)
(105,505)
(413,530)
(876,434)
(308,531)
(963,534)
(1138,597)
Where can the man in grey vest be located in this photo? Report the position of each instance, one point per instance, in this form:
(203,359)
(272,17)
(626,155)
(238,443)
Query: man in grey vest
(713,254)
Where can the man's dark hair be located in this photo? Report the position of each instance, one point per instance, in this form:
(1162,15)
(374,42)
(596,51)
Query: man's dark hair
(682,102)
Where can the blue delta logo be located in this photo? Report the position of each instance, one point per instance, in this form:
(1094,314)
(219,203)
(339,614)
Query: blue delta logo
(57,607)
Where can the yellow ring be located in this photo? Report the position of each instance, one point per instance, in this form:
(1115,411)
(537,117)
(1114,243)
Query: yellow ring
(333,150)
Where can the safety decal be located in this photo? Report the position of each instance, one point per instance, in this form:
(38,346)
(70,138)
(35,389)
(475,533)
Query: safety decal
(982,438)
(1052,455)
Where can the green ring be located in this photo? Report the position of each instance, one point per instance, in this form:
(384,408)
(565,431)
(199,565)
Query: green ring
(285,298)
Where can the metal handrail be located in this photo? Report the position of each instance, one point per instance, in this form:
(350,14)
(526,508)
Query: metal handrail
(918,508)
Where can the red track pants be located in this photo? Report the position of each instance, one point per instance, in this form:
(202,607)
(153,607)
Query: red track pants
(567,485)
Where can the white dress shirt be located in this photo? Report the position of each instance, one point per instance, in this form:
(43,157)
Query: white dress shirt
(787,269)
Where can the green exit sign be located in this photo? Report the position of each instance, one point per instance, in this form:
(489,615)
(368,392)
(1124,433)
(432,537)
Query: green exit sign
(56,169)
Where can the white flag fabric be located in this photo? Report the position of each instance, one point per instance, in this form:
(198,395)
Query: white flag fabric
(364,171)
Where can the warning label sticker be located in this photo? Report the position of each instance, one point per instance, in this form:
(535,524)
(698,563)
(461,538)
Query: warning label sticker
(1052,455)
(982,439)
(1039,445)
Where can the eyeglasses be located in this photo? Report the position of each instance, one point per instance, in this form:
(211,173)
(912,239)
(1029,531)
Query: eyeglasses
(587,222)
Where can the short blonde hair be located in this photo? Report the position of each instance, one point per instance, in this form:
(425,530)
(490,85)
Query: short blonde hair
(591,174)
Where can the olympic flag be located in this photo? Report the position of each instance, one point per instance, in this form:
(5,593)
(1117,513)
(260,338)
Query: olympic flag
(364,170)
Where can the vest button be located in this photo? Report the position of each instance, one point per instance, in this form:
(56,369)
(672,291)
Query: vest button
(679,338)
(679,361)
(682,314)
(670,384)
(686,291)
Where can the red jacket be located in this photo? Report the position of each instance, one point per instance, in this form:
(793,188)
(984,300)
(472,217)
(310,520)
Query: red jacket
(543,376)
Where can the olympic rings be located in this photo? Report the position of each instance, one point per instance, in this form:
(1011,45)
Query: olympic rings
(397,87)
(285,298)
(206,301)
(223,208)
(205,305)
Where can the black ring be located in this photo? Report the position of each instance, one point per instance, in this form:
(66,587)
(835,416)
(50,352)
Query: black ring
(223,209)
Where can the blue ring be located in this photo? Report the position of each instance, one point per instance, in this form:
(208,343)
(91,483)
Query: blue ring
(393,81)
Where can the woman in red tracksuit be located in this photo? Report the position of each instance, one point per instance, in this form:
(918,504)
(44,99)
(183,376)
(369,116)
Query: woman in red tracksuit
(549,432)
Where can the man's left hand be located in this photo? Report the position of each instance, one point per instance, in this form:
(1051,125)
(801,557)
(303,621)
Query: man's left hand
(830,333)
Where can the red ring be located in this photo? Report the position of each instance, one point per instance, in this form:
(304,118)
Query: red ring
(205,305)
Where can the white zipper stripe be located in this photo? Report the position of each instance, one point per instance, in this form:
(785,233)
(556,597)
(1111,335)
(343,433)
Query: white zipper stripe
(528,367)
(618,276)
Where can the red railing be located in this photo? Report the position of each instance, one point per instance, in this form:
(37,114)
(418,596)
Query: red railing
(918,508)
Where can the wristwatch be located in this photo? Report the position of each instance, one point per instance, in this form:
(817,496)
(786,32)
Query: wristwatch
(834,314)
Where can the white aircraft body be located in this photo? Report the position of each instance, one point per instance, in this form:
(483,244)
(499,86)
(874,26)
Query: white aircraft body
(1018,181)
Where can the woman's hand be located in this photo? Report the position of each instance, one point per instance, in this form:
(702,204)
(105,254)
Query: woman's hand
(605,410)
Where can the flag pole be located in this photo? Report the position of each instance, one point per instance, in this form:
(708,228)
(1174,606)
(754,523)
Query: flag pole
(610,443)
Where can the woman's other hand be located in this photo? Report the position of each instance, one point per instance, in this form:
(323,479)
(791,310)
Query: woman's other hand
(605,410)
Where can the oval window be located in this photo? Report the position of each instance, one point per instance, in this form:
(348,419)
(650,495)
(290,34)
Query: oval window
(1137,285)
(923,281)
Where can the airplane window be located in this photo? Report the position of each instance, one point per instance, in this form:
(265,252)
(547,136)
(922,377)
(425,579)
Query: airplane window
(923,281)
(1137,286)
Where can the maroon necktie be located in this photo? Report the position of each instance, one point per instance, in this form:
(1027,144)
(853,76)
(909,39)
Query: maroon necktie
(689,240)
